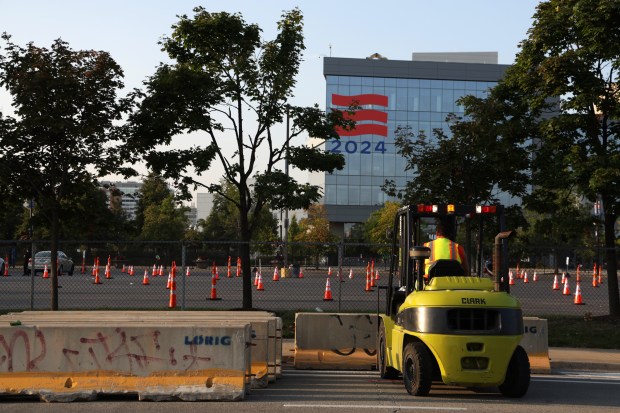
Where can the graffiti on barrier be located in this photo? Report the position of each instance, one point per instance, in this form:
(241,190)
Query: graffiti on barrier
(27,350)
(356,333)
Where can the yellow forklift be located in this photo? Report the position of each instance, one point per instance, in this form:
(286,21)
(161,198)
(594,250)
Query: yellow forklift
(461,329)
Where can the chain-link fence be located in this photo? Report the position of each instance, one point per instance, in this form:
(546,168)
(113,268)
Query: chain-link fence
(299,277)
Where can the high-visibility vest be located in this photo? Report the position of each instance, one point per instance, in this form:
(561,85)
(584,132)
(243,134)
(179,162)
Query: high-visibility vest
(441,249)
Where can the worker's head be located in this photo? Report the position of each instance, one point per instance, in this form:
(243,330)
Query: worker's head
(443,228)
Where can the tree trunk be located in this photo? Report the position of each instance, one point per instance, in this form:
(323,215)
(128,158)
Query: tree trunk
(244,249)
(612,265)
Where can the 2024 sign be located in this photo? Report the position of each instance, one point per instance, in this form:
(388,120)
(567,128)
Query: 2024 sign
(364,147)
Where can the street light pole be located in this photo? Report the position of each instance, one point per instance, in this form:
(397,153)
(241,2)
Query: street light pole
(285,252)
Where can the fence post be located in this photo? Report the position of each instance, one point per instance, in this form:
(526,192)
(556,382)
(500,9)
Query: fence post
(32,254)
(340,259)
(183,276)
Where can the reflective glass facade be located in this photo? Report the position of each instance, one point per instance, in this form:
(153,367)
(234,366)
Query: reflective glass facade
(390,94)
(422,104)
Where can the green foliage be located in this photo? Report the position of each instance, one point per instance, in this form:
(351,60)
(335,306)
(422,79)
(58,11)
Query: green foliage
(571,55)
(380,223)
(315,230)
(164,221)
(228,82)
(153,191)
(66,105)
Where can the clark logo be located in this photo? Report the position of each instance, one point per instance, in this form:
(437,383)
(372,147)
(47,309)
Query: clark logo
(207,340)
(362,117)
(473,301)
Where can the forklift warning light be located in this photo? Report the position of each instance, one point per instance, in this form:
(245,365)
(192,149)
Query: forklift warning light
(457,209)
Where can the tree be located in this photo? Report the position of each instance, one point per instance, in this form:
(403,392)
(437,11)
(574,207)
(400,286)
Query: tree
(235,87)
(65,104)
(223,221)
(164,221)
(379,224)
(153,191)
(315,230)
(571,54)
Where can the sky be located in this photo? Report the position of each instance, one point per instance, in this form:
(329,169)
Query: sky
(130,30)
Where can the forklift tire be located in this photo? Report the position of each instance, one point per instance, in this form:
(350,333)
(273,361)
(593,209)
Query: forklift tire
(517,375)
(386,372)
(417,369)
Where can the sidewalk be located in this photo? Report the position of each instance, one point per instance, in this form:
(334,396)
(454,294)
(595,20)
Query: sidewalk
(584,359)
(562,358)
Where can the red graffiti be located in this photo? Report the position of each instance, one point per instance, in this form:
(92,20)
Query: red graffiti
(9,348)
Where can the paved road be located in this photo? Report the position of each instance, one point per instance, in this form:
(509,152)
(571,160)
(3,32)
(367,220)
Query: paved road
(343,392)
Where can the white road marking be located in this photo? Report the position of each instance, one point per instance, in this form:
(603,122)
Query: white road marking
(374,406)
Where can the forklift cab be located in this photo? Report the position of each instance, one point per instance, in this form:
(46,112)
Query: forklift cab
(414,225)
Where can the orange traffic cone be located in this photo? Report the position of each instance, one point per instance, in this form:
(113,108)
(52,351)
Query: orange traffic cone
(511,278)
(368,282)
(525,278)
(131,271)
(213,290)
(6,266)
(328,291)
(123,269)
(169,283)
(260,286)
(108,274)
(377,275)
(578,277)
(563,277)
(556,285)
(187,272)
(228,268)
(154,272)
(173,294)
(351,274)
(256,278)
(145,279)
(594,282)
(238,266)
(161,270)
(566,288)
(301,272)
(535,277)
(276,277)
(578,298)
(329,271)
(372,280)
(97,280)
(600,275)
(46,273)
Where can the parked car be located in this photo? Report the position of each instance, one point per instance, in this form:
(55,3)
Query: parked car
(42,258)
(2,266)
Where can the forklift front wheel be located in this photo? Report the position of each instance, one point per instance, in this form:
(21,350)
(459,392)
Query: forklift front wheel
(417,369)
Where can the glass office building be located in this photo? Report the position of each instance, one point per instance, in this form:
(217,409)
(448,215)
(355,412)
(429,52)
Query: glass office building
(417,93)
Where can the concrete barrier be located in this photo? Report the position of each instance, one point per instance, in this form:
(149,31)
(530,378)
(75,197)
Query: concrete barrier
(67,363)
(535,341)
(335,341)
(348,341)
(266,363)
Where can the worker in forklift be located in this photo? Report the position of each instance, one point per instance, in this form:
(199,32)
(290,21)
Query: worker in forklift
(442,247)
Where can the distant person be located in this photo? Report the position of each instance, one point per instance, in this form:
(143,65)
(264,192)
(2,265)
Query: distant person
(442,248)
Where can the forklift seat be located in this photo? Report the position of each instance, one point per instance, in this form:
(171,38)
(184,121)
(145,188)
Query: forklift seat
(445,268)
